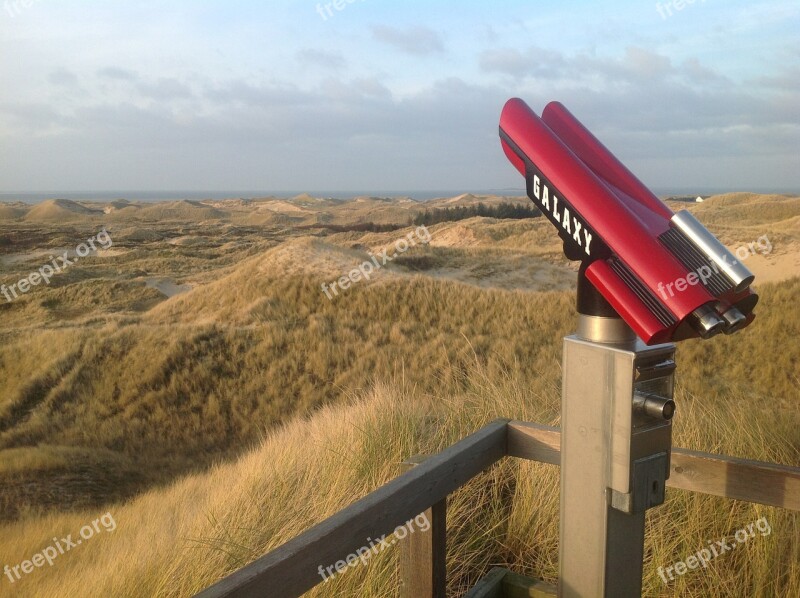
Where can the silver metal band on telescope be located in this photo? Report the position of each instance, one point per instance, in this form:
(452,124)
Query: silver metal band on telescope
(715,251)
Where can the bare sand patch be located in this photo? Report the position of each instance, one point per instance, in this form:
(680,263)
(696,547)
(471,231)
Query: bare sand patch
(167,286)
(775,267)
(538,276)
(42,254)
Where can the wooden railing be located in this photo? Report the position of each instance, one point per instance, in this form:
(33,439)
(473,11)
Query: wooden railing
(294,567)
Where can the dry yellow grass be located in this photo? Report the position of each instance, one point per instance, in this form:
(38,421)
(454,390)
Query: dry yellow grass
(175,541)
(117,398)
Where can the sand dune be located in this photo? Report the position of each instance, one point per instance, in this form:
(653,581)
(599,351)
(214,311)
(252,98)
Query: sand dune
(312,256)
(115,356)
(60,210)
(12,211)
(779,265)
(179,210)
(167,286)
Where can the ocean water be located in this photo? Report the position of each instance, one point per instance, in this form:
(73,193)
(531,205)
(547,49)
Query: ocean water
(145,196)
(420,195)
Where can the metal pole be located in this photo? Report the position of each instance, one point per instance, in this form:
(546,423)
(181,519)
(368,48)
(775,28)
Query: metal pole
(615,444)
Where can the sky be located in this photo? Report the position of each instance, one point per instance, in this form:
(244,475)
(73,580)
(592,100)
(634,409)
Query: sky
(389,96)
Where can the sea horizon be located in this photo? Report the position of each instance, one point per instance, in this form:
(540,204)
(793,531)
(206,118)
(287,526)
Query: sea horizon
(34,197)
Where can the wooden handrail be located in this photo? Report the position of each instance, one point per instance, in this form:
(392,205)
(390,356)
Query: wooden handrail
(294,566)
(729,477)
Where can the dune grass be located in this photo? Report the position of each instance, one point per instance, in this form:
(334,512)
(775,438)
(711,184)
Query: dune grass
(222,422)
(201,378)
(176,541)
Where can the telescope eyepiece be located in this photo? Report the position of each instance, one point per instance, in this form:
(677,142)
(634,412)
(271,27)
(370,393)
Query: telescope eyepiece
(707,322)
(735,320)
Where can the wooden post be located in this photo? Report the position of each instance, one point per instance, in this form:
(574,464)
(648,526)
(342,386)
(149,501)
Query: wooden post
(423,554)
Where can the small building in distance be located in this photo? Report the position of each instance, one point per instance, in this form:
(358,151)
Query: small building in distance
(699,199)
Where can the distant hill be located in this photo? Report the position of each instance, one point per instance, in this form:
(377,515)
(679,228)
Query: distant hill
(184,210)
(747,208)
(12,211)
(60,210)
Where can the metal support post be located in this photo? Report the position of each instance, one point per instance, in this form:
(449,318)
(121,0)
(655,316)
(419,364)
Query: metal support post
(615,446)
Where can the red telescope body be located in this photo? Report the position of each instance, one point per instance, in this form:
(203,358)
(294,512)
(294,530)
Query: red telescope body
(665,274)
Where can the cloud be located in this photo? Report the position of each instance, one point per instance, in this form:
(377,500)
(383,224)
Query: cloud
(165,89)
(243,92)
(35,119)
(62,77)
(665,119)
(700,74)
(323,58)
(270,94)
(337,90)
(637,68)
(540,63)
(788,80)
(646,64)
(418,41)
(118,74)
(535,62)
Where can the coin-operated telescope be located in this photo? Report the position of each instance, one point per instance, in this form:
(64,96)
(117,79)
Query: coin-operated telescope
(647,277)
(665,274)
